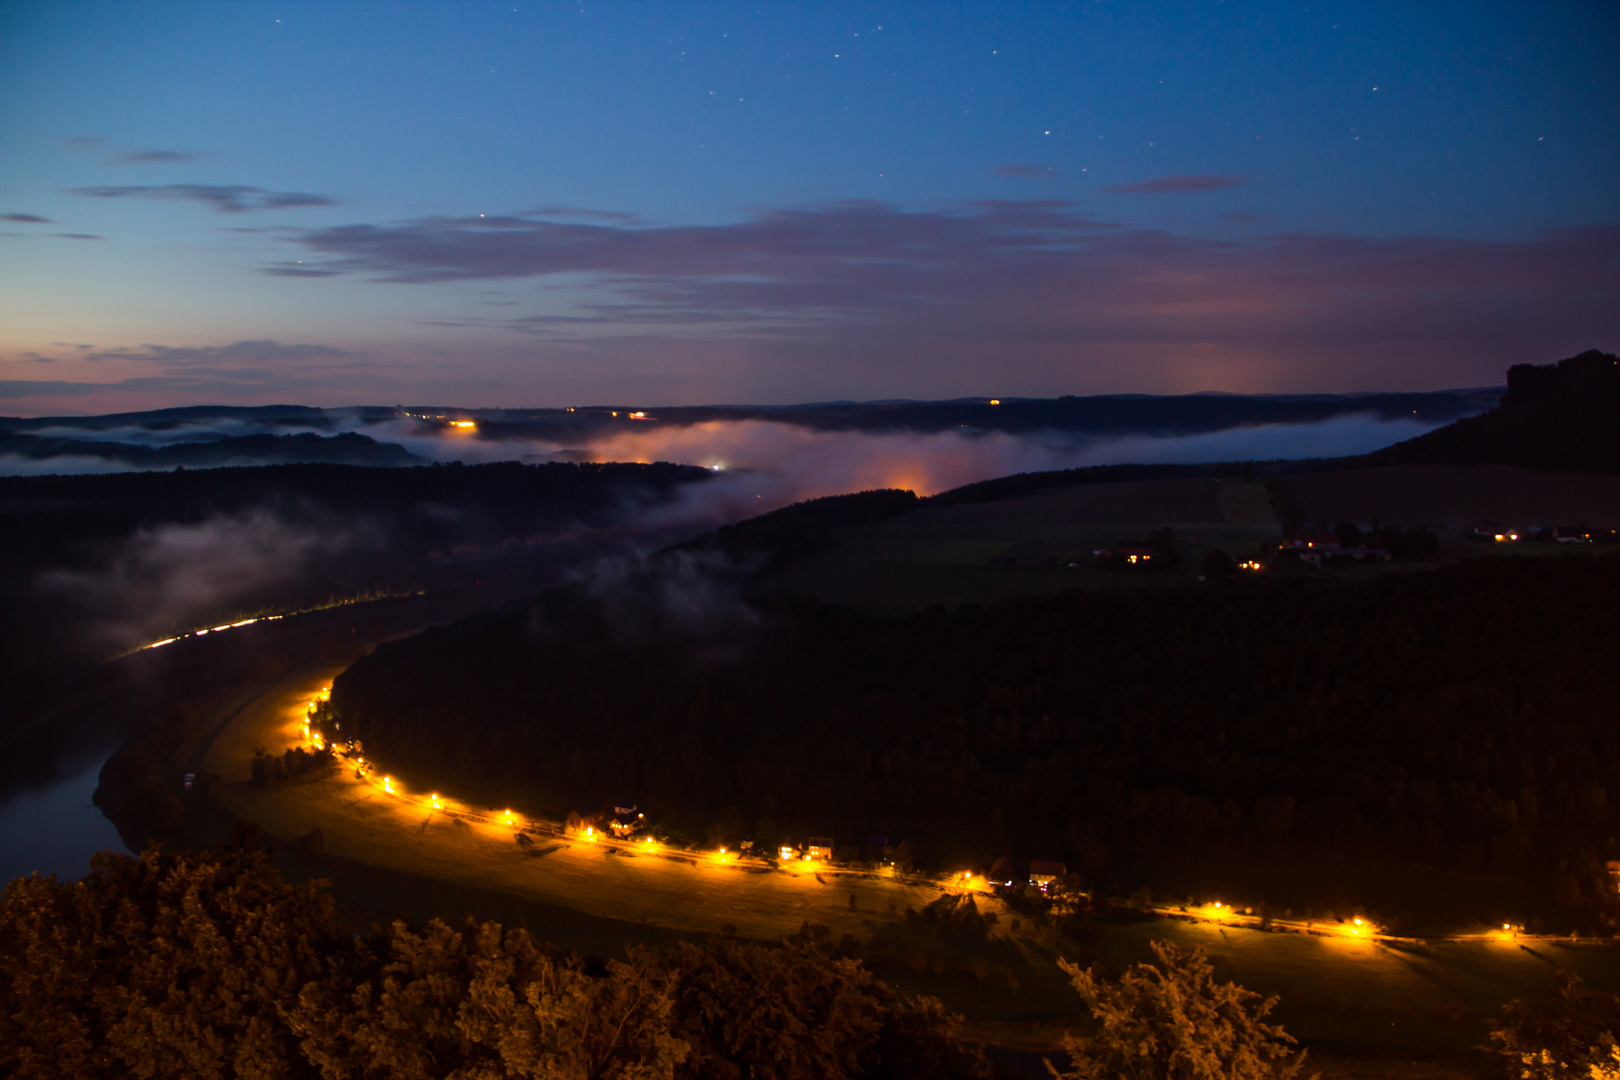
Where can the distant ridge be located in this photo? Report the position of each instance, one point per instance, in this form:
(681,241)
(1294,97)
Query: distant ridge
(304,448)
(1563,416)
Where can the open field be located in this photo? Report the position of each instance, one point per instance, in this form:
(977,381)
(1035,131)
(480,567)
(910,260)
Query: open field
(395,853)
(981,552)
(1449,498)
(985,551)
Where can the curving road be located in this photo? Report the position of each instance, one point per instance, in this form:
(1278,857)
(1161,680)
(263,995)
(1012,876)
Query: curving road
(630,882)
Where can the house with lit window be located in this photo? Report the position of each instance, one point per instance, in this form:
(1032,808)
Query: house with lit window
(1044,873)
(626,821)
(820,848)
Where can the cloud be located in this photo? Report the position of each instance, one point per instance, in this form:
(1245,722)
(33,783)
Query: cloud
(845,235)
(299,271)
(1168,185)
(233,369)
(622,217)
(26,219)
(78,236)
(224,198)
(1026,171)
(251,352)
(1037,287)
(156,157)
(24,388)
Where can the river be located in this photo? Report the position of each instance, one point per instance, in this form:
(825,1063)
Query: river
(54,828)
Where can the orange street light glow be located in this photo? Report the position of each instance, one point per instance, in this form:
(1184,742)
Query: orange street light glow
(388,784)
(463,423)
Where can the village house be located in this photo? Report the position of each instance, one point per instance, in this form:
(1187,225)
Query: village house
(1044,873)
(626,821)
(1316,549)
(820,848)
(1127,558)
(1493,532)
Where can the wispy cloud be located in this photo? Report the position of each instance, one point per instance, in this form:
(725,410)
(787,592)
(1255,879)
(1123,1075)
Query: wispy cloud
(1173,185)
(78,236)
(218,382)
(847,235)
(263,351)
(223,198)
(156,157)
(26,219)
(1033,269)
(26,388)
(855,283)
(1027,171)
(231,369)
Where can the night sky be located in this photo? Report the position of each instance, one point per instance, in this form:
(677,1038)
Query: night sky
(525,205)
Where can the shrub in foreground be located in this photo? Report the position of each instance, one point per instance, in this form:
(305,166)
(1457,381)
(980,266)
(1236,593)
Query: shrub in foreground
(1173,1021)
(204,965)
(1568,1035)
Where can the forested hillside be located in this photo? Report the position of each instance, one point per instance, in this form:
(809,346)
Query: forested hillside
(1553,416)
(1459,718)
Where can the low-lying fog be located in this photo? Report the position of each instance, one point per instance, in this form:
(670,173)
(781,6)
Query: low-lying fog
(171,576)
(784,461)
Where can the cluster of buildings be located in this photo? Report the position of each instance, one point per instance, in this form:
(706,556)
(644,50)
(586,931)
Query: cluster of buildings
(1494,532)
(1319,548)
(1044,874)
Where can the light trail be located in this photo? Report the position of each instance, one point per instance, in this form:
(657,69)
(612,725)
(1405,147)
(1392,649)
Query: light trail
(214,630)
(204,631)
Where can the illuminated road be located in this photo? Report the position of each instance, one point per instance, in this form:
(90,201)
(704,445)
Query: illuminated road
(375,820)
(1338,982)
(637,883)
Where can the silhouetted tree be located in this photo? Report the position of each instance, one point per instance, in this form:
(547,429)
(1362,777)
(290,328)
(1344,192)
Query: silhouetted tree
(1172,1021)
(1571,1033)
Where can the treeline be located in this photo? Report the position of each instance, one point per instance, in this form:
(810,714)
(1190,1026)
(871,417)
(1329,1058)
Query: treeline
(347,448)
(199,965)
(1458,718)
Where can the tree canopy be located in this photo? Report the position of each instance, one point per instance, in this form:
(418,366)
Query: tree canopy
(1172,1021)
(1458,718)
(203,965)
